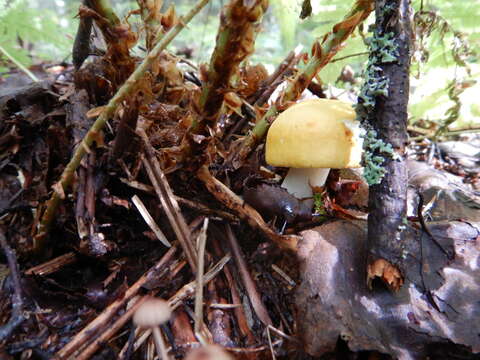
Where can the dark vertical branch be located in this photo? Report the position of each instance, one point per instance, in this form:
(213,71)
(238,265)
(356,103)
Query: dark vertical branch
(16,317)
(387,218)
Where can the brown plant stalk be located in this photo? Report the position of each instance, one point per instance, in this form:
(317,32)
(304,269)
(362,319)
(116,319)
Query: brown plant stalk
(127,89)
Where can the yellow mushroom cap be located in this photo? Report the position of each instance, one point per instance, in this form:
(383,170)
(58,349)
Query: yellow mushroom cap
(316,133)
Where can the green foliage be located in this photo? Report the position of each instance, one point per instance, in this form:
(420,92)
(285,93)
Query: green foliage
(27,33)
(325,15)
(318,204)
(286,13)
(446,56)
(446,49)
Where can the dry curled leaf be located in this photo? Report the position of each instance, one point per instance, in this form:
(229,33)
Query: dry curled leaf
(387,272)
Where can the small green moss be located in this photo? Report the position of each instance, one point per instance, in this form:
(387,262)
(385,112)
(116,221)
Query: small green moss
(318,204)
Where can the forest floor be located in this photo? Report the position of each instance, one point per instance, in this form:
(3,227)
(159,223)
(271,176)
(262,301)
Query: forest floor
(116,237)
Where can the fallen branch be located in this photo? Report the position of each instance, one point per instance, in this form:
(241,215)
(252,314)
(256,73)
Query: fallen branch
(244,211)
(169,203)
(250,287)
(16,317)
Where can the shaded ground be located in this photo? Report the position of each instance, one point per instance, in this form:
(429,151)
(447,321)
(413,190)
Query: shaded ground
(101,254)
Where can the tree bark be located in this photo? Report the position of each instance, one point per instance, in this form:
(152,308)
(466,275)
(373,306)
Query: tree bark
(387,200)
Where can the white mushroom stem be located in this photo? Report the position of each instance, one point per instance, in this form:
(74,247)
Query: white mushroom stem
(160,344)
(300,181)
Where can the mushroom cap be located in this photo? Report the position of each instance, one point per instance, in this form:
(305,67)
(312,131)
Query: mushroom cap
(316,133)
(209,352)
(153,312)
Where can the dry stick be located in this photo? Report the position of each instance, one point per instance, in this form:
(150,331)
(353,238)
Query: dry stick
(426,134)
(96,326)
(53,265)
(244,211)
(174,269)
(170,205)
(242,322)
(279,75)
(185,292)
(268,86)
(202,241)
(16,317)
(387,201)
(110,331)
(189,289)
(126,90)
(150,221)
(247,280)
(195,205)
(321,55)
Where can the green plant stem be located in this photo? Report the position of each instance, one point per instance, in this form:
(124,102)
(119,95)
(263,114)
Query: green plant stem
(18,64)
(349,56)
(322,52)
(126,90)
(104,8)
(447,133)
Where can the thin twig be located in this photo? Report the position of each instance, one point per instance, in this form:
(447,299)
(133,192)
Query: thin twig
(196,205)
(247,280)
(53,265)
(184,293)
(349,56)
(88,334)
(126,90)
(272,352)
(19,64)
(111,330)
(16,317)
(244,211)
(242,321)
(426,134)
(150,221)
(202,241)
(170,205)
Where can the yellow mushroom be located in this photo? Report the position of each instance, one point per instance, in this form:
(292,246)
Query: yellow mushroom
(310,138)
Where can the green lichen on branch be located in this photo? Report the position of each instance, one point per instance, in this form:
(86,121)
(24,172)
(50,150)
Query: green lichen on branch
(383,50)
(374,154)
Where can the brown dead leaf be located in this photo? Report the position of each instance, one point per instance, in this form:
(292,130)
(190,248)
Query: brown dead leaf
(349,23)
(387,272)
